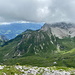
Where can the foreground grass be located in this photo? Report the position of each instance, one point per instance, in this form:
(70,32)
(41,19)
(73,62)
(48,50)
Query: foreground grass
(9,70)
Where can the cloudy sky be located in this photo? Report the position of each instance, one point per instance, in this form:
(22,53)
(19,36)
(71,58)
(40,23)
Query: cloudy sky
(37,10)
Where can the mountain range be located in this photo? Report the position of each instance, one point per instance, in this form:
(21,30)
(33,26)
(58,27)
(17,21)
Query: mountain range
(13,29)
(52,45)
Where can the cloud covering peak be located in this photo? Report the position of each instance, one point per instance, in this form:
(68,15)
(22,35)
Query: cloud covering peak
(37,10)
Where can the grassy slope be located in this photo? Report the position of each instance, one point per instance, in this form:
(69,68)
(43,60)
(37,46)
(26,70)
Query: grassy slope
(44,58)
(8,50)
(62,58)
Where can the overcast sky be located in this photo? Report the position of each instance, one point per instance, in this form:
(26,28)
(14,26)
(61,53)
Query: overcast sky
(37,10)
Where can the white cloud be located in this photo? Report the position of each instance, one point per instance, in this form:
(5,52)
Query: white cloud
(9,23)
(42,13)
(22,22)
(5,23)
(37,10)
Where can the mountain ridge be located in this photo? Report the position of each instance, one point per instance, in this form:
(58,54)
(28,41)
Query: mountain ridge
(61,29)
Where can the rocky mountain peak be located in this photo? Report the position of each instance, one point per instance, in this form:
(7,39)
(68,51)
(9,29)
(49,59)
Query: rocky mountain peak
(60,29)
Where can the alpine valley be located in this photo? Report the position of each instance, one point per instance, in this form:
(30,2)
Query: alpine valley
(51,45)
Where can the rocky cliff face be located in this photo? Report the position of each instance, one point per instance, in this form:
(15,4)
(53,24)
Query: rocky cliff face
(61,29)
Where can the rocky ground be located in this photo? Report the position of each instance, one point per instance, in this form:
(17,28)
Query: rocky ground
(29,70)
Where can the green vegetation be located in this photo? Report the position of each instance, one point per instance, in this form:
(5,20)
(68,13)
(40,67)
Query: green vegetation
(9,70)
(39,48)
(66,59)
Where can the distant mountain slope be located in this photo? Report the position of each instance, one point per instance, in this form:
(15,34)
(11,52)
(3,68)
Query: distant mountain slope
(14,29)
(3,39)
